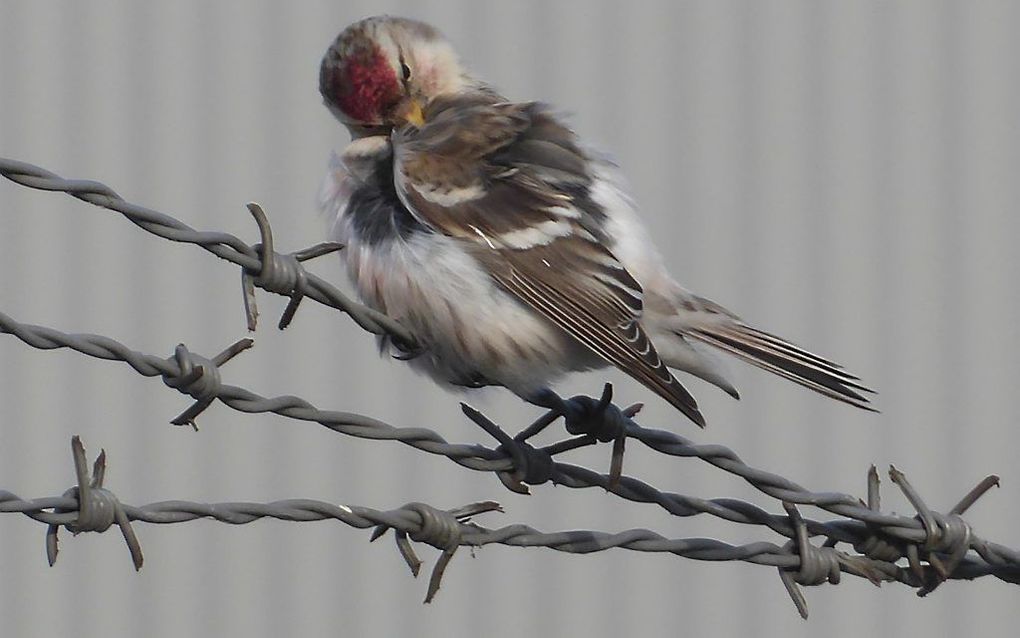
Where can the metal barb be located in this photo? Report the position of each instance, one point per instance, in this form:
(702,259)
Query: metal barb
(282,274)
(441,529)
(96,508)
(874,496)
(923,512)
(199,378)
(947,538)
(619,444)
(972,496)
(507,445)
(806,573)
(592,421)
(530,465)
(224,245)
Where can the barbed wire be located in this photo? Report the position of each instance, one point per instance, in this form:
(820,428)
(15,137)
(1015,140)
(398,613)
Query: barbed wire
(935,546)
(517,463)
(262,267)
(89,506)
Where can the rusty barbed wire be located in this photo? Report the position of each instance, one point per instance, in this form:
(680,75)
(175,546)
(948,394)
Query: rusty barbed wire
(945,542)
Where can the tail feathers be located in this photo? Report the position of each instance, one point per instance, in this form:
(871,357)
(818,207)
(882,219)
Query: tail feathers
(694,357)
(772,353)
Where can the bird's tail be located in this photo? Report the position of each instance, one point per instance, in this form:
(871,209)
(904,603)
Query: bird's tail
(712,324)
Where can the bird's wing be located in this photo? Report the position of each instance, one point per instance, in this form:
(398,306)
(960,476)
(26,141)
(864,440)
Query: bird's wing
(510,181)
(711,323)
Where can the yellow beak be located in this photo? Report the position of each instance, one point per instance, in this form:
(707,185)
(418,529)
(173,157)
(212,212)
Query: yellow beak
(412,113)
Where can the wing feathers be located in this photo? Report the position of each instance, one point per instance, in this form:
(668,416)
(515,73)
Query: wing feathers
(785,359)
(626,347)
(532,225)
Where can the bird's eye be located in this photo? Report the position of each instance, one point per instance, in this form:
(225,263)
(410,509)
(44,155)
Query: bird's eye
(406,70)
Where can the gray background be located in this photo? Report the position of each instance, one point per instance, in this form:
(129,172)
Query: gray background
(845,174)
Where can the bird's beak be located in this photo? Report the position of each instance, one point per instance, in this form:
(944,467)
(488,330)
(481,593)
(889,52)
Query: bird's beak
(412,113)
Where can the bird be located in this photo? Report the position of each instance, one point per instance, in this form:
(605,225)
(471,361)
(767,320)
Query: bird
(510,249)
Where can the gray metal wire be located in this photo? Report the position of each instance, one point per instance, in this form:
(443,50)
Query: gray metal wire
(89,506)
(865,526)
(223,245)
(935,546)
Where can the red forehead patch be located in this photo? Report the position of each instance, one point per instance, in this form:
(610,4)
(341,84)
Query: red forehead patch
(370,87)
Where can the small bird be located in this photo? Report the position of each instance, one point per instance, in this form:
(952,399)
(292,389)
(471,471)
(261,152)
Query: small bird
(511,251)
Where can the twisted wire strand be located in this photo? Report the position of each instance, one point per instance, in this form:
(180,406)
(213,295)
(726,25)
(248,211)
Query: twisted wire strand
(861,525)
(223,245)
(944,541)
(63,511)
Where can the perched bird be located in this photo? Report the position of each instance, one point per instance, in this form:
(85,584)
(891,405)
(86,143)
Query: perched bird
(511,251)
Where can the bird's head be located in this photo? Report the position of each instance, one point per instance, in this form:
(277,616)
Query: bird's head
(383,71)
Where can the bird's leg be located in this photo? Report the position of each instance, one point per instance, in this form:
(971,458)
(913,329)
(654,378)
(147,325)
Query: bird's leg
(557,406)
(579,413)
(593,419)
(548,399)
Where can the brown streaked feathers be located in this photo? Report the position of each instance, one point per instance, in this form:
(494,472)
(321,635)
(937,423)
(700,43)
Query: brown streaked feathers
(513,164)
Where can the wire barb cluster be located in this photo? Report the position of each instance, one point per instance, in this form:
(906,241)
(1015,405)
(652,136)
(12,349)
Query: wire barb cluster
(97,507)
(440,529)
(934,546)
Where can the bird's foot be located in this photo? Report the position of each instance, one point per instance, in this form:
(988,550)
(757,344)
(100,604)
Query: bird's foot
(591,419)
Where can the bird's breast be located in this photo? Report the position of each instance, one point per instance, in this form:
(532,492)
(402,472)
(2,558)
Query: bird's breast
(472,328)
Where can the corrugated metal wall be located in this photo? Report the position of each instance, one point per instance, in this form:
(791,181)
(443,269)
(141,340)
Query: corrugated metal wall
(843,173)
